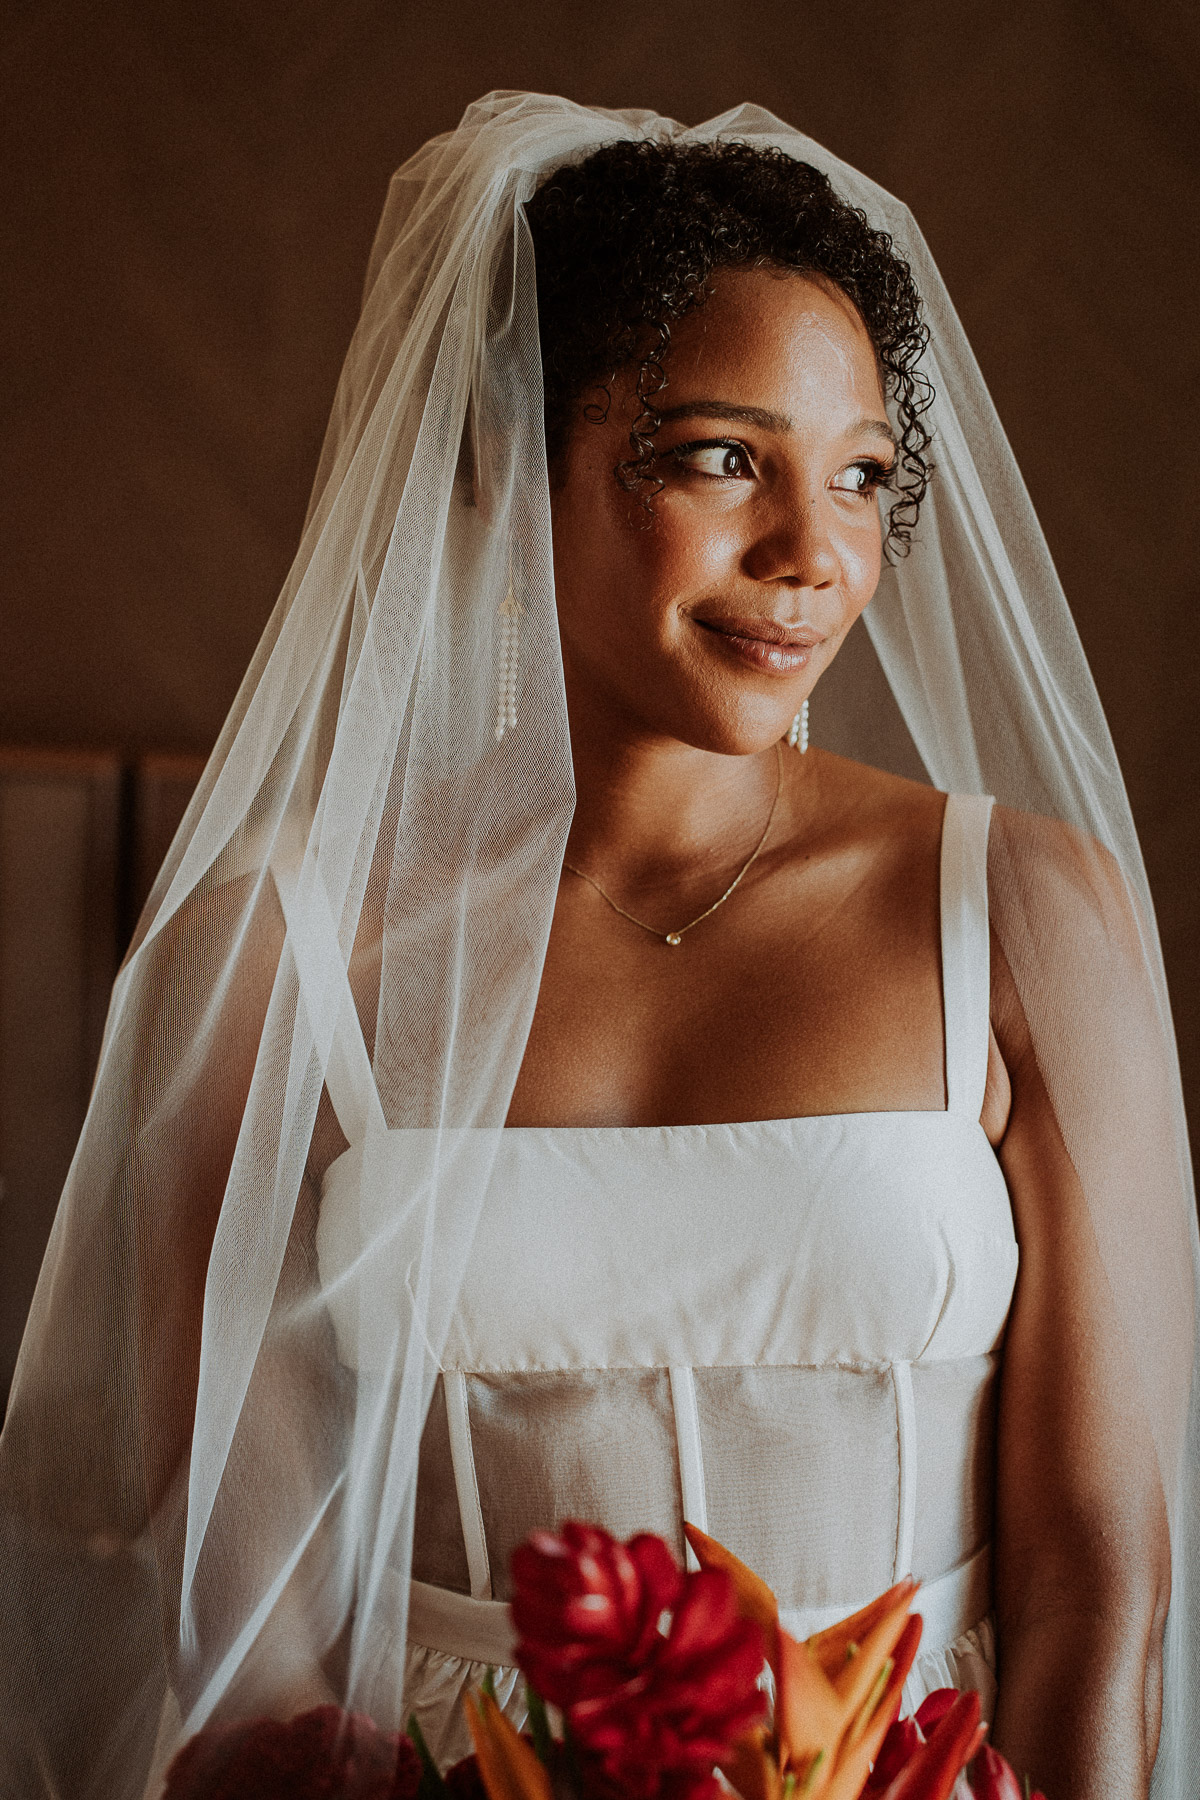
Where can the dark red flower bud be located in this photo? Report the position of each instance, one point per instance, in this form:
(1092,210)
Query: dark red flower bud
(318,1753)
(934,1708)
(902,1740)
(692,1699)
(992,1778)
(932,1771)
(656,1672)
(587,1608)
(464,1782)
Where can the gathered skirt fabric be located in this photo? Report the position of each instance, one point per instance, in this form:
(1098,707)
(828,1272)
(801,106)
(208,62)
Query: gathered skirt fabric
(436,1685)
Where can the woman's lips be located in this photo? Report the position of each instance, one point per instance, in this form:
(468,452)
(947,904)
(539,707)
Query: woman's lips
(764,644)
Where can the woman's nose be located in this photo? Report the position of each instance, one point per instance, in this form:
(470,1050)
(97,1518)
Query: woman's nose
(794,545)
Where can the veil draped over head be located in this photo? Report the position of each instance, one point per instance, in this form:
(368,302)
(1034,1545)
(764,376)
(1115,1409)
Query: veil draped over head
(199,1499)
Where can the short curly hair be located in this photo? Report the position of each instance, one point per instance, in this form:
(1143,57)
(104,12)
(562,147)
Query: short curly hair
(627,240)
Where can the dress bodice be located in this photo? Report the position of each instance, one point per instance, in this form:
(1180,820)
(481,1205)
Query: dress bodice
(786,1331)
(855,1240)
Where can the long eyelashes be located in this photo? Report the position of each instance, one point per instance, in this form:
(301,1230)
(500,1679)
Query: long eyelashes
(728,448)
(877,474)
(736,463)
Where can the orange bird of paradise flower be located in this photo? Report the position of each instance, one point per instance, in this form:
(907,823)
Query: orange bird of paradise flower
(836,1695)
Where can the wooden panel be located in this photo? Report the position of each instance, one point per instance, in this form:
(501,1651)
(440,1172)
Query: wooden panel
(59,835)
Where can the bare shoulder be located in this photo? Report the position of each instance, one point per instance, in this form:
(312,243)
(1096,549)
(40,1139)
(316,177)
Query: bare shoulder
(1063,883)
(1074,966)
(838,803)
(876,789)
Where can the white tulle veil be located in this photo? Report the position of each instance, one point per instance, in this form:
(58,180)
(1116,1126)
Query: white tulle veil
(197,1498)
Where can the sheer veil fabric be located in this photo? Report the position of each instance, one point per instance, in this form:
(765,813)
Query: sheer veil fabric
(198,1502)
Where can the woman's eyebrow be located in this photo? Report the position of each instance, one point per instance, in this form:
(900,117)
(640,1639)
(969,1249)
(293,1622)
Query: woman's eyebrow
(726,409)
(764,418)
(875,428)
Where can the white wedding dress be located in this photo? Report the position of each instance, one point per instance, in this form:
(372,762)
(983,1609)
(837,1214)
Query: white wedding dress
(786,1331)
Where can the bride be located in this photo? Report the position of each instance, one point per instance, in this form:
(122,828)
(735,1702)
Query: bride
(557,1077)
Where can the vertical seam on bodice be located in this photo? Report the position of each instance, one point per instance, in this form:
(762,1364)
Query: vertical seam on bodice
(462,1460)
(693,1495)
(906,1469)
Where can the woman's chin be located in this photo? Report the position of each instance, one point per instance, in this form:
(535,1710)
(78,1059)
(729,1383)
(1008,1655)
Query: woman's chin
(722,711)
(741,736)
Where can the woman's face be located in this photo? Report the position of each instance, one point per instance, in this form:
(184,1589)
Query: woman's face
(710,620)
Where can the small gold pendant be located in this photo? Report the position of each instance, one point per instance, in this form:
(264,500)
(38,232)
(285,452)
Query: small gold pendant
(673,937)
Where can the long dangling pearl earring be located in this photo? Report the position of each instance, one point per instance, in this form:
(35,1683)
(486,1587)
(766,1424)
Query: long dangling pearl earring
(798,734)
(509,614)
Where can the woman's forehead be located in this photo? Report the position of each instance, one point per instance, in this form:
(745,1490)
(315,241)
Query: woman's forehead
(774,343)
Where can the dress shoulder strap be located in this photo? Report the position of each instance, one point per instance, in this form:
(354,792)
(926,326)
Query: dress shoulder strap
(966,950)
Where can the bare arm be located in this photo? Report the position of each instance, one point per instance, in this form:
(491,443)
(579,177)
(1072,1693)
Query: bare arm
(1098,1348)
(1083,1555)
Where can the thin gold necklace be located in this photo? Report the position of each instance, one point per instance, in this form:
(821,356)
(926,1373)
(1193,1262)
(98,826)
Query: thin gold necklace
(676,937)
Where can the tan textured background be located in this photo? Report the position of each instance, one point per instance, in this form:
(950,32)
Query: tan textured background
(192,193)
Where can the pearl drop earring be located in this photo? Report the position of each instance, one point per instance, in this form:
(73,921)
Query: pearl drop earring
(797,736)
(509,614)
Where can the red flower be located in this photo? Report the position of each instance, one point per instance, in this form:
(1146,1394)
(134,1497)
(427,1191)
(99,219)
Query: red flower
(464,1781)
(654,1703)
(934,1708)
(932,1771)
(587,1608)
(902,1741)
(325,1754)
(993,1778)
(692,1698)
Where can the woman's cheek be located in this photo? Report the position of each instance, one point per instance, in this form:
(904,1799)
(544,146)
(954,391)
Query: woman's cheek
(674,564)
(703,552)
(862,560)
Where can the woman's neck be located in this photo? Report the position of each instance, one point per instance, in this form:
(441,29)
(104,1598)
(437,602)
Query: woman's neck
(652,812)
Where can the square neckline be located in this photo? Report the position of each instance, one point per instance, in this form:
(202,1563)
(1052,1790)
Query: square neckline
(966,1011)
(965,947)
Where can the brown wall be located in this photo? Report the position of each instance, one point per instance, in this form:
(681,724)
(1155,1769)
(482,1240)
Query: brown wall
(194,192)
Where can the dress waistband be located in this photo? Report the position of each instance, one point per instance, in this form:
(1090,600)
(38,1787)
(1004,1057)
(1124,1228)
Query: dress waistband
(482,1630)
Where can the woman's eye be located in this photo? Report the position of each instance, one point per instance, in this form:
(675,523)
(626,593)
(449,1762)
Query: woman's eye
(724,461)
(861,478)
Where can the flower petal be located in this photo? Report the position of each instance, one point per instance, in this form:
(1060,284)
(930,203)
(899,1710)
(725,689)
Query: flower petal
(895,1673)
(509,1768)
(903,1739)
(860,1671)
(830,1647)
(863,1741)
(933,1771)
(994,1778)
(752,1771)
(810,1715)
(755,1599)
(934,1708)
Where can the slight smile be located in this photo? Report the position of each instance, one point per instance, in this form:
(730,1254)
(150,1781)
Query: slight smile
(765,644)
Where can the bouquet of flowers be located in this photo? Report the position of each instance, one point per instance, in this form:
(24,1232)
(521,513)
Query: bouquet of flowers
(656,1676)
(645,1683)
